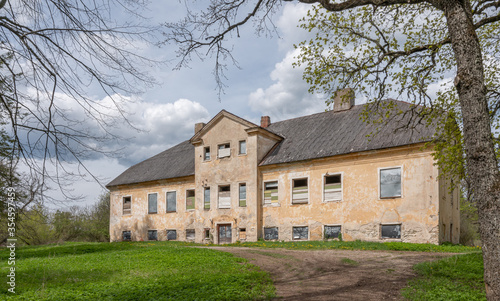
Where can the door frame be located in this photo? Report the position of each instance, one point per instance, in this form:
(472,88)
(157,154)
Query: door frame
(223,224)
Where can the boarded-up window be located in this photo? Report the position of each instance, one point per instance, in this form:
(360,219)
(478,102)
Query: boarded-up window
(243,195)
(332,232)
(206,153)
(300,233)
(190,199)
(126,235)
(171,201)
(225,196)
(243,234)
(271,233)
(152,203)
(224,150)
(206,198)
(300,194)
(333,188)
(390,182)
(391,231)
(271,192)
(171,234)
(243,147)
(127,205)
(152,235)
(190,234)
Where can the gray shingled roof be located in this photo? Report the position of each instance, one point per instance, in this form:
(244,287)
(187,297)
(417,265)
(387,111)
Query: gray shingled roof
(335,133)
(175,162)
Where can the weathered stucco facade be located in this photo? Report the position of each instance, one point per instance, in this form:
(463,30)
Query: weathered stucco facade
(242,192)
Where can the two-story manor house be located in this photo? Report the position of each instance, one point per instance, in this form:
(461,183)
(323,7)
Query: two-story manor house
(321,176)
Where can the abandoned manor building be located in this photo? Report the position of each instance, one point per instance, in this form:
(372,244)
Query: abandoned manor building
(329,175)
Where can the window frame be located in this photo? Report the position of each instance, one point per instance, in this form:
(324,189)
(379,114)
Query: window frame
(218,196)
(123,205)
(205,154)
(149,193)
(130,232)
(400,224)
(277,231)
(239,234)
(380,169)
(194,234)
(239,194)
(166,233)
(205,199)
(301,226)
(194,200)
(277,204)
(332,225)
(207,231)
(166,201)
(341,174)
(153,231)
(291,190)
(239,148)
(218,150)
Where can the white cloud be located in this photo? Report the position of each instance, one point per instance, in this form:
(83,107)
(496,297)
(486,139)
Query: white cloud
(288,25)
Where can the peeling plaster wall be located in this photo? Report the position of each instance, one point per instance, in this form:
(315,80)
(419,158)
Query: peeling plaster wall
(361,211)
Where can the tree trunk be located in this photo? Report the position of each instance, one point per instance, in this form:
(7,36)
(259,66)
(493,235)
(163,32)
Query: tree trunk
(482,166)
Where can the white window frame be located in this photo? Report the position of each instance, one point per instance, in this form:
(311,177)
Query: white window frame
(264,193)
(308,232)
(246,194)
(230,196)
(239,148)
(123,202)
(218,150)
(166,201)
(308,191)
(323,180)
(204,153)
(378,182)
(390,224)
(156,202)
(333,225)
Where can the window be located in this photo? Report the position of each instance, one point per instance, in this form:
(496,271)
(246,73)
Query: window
(171,234)
(243,195)
(206,153)
(152,203)
(300,194)
(152,235)
(126,235)
(243,234)
(243,147)
(190,234)
(333,188)
(127,205)
(271,233)
(391,231)
(190,199)
(171,201)
(225,196)
(224,150)
(390,182)
(271,192)
(206,198)
(332,232)
(207,233)
(300,233)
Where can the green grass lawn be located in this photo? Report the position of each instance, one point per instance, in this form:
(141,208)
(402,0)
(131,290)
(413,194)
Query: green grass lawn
(132,271)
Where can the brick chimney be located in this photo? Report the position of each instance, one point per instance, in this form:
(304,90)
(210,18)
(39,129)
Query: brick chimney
(343,100)
(198,126)
(265,121)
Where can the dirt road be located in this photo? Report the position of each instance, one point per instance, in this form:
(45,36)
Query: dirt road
(336,274)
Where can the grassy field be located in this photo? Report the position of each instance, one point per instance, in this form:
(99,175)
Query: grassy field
(132,271)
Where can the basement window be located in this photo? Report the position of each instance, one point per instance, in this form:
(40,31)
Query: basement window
(152,235)
(390,182)
(300,233)
(152,203)
(171,201)
(126,235)
(332,232)
(271,193)
(333,188)
(190,199)
(206,198)
(127,205)
(171,234)
(190,234)
(224,150)
(300,194)
(207,233)
(243,195)
(390,231)
(271,233)
(225,196)
(206,153)
(243,234)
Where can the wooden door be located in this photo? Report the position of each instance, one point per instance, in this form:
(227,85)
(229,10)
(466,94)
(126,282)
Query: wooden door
(225,236)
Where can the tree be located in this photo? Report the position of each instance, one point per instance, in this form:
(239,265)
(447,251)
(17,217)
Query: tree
(60,54)
(438,36)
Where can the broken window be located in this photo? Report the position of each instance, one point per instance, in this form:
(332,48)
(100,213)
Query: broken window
(332,232)
(333,188)
(271,192)
(152,203)
(224,150)
(127,205)
(271,233)
(207,233)
(300,194)
(225,196)
(243,195)
(190,199)
(171,234)
(206,198)
(206,153)
(190,234)
(243,147)
(126,235)
(243,234)
(390,182)
(152,235)
(300,233)
(171,201)
(391,231)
